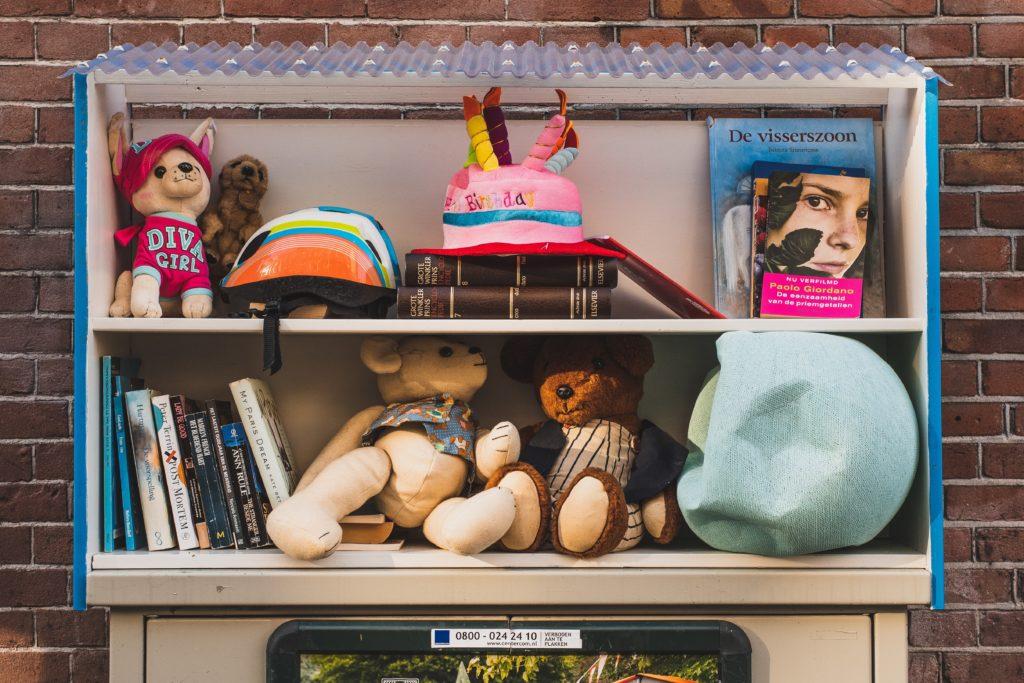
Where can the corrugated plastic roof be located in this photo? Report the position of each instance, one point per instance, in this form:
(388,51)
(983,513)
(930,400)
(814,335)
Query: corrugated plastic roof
(510,59)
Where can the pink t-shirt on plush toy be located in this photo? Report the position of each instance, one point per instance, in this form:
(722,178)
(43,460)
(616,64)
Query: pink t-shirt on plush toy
(170,248)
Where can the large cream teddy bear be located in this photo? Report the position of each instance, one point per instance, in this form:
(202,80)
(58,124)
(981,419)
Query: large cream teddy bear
(416,456)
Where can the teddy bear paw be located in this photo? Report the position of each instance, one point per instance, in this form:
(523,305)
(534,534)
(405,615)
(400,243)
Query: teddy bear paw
(591,517)
(496,448)
(197,306)
(303,537)
(468,526)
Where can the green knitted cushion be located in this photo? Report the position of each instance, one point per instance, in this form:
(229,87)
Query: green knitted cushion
(800,442)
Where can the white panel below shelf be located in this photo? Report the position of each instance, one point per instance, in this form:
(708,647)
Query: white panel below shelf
(468,326)
(873,556)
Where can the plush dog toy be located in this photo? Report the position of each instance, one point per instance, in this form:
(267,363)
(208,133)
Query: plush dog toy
(594,476)
(167,180)
(414,456)
(236,216)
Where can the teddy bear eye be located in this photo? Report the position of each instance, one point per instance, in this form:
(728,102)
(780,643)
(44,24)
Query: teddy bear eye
(446,351)
(160,172)
(598,363)
(261,176)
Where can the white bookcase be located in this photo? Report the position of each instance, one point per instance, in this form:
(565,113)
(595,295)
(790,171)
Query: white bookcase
(645,182)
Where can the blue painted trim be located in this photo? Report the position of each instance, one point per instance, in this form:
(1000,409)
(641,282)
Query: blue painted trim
(80,341)
(567,219)
(934,341)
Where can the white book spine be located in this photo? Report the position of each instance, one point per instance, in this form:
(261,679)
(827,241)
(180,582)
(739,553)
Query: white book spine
(170,452)
(146,453)
(269,445)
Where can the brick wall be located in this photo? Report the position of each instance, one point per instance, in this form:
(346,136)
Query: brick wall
(978,43)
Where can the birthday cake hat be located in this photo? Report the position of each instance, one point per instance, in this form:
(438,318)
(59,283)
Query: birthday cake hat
(493,206)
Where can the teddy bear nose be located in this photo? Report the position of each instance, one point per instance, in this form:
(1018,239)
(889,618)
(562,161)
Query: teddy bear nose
(247,170)
(563,392)
(185,167)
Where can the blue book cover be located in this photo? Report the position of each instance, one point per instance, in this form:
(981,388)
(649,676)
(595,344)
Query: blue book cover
(735,146)
(134,534)
(113,521)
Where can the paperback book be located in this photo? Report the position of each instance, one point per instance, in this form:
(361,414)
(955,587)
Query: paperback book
(149,470)
(179,407)
(177,491)
(208,475)
(266,437)
(113,519)
(218,414)
(247,482)
(131,510)
(735,145)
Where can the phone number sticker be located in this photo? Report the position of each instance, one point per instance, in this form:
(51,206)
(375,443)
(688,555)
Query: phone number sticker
(441,638)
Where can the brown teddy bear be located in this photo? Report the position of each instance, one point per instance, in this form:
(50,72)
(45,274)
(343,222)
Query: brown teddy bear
(236,215)
(594,476)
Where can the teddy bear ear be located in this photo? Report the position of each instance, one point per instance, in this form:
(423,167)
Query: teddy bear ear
(632,351)
(518,356)
(380,354)
(117,143)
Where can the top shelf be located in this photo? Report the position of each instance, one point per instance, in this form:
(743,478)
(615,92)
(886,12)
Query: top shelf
(469,326)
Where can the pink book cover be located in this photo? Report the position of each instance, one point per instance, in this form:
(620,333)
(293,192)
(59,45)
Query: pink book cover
(814,247)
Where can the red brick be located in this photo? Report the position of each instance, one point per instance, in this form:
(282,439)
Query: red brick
(290,32)
(1017,82)
(39,251)
(984,503)
(727,35)
(1004,294)
(975,253)
(66,40)
(33,82)
(90,665)
(16,40)
(943,628)
(582,35)
(24,420)
(16,459)
(972,81)
(972,419)
(978,586)
(223,33)
(1002,628)
(959,378)
(68,628)
(433,33)
(983,336)
(799,113)
(956,544)
(1000,40)
(713,9)
(31,588)
(924,667)
(794,34)
(129,9)
(1002,377)
(956,210)
(35,665)
(17,293)
(56,209)
(54,459)
(972,667)
(52,544)
(991,7)
(17,376)
(15,547)
(35,165)
(1002,124)
(34,8)
(499,34)
(16,629)
(1000,544)
(960,294)
(371,34)
(703,113)
(56,294)
(1002,210)
(288,8)
(578,10)
(1003,460)
(645,35)
(222,111)
(33,502)
(54,377)
(426,9)
(652,115)
(959,461)
(1016,418)
(56,124)
(873,34)
(867,8)
(958,125)
(140,33)
(286,112)
(985,167)
(940,40)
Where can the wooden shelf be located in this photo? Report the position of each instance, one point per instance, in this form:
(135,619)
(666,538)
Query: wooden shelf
(468,326)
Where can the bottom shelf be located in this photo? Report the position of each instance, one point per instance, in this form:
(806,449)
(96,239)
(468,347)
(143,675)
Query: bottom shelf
(874,555)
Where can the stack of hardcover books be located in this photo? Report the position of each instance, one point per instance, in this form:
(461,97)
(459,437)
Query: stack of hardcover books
(182,474)
(515,286)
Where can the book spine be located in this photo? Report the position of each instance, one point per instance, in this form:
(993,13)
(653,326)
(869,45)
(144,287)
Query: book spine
(170,454)
(112,530)
(148,470)
(214,412)
(266,438)
(134,534)
(554,303)
(435,270)
(189,472)
(233,437)
(217,519)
